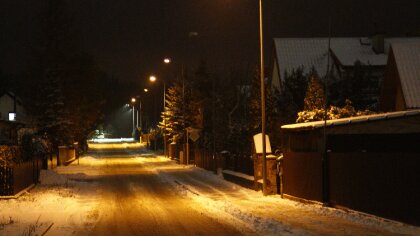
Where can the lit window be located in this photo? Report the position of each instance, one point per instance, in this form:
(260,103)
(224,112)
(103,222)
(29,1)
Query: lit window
(12,116)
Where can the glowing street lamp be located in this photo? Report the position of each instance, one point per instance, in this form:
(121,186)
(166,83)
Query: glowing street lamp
(167,60)
(146,90)
(139,120)
(152,78)
(133,100)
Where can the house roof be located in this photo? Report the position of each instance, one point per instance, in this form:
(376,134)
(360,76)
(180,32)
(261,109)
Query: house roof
(12,96)
(292,53)
(407,59)
(351,120)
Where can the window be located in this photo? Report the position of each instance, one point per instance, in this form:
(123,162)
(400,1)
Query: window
(12,116)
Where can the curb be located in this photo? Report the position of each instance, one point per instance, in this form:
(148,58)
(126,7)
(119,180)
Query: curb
(241,179)
(66,163)
(19,193)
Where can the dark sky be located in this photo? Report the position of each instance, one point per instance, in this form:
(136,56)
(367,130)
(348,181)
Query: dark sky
(129,38)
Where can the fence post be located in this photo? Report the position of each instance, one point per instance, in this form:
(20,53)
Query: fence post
(2,179)
(10,181)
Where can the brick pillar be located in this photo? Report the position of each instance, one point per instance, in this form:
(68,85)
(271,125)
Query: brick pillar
(271,173)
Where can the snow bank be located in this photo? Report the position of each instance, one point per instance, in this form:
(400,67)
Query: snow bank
(239,208)
(55,205)
(50,177)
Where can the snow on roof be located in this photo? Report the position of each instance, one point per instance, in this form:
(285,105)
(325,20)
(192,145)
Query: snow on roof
(296,52)
(312,52)
(350,50)
(407,59)
(351,120)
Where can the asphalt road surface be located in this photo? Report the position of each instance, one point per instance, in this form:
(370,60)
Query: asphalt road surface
(134,200)
(130,191)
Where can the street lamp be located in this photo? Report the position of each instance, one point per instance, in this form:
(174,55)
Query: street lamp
(264,166)
(153,79)
(133,100)
(139,120)
(166,60)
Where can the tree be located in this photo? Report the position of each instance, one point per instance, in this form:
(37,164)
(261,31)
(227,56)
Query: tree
(180,111)
(255,104)
(357,84)
(290,100)
(296,84)
(65,93)
(315,94)
(52,118)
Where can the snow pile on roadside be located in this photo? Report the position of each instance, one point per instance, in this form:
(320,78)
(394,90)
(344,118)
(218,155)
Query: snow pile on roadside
(261,225)
(50,177)
(55,205)
(391,226)
(239,215)
(225,211)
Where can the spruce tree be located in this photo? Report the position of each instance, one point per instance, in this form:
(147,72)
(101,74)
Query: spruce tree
(52,119)
(180,112)
(315,95)
(67,100)
(255,104)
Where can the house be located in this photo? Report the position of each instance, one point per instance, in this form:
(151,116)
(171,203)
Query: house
(9,132)
(401,85)
(11,108)
(292,53)
(367,163)
(15,122)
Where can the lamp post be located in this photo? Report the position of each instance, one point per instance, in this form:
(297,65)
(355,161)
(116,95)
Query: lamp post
(264,164)
(139,118)
(264,161)
(153,79)
(166,60)
(133,100)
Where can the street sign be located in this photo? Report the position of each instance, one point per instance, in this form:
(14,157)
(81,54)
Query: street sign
(193,134)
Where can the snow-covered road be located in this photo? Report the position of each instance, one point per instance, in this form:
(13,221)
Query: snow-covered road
(130,191)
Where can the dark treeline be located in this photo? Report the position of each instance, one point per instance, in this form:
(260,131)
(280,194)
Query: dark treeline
(64,91)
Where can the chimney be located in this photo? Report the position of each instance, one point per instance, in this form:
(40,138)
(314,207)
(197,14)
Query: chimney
(378,43)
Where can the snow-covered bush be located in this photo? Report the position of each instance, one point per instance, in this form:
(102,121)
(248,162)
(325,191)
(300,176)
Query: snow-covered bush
(333,113)
(9,155)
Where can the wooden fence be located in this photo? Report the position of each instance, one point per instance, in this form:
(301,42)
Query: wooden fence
(384,184)
(17,177)
(239,163)
(302,175)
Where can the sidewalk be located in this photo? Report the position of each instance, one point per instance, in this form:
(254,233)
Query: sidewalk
(272,214)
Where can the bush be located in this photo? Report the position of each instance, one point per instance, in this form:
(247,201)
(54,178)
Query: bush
(34,147)
(9,155)
(333,113)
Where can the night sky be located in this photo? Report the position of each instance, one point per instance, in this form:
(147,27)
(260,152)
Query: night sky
(129,38)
